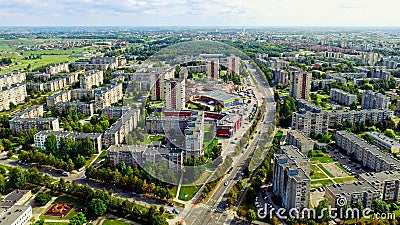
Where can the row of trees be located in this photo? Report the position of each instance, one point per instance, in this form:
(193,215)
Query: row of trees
(42,159)
(284,110)
(130,179)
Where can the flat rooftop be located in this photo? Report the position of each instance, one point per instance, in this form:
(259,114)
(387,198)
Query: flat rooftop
(351,188)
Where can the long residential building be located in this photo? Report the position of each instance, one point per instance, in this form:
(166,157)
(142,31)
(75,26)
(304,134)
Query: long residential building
(369,155)
(91,78)
(372,100)
(40,138)
(233,65)
(86,109)
(194,135)
(64,96)
(299,140)
(385,142)
(57,68)
(24,124)
(291,180)
(281,76)
(312,119)
(34,111)
(352,193)
(108,95)
(116,134)
(342,97)
(387,182)
(133,155)
(12,78)
(213,69)
(16,94)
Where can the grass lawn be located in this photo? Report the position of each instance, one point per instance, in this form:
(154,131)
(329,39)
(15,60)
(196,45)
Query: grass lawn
(210,145)
(325,170)
(51,223)
(193,106)
(322,182)
(187,192)
(318,155)
(67,200)
(114,222)
(102,155)
(316,173)
(345,179)
(157,138)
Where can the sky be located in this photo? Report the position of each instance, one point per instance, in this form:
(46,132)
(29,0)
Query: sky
(199,13)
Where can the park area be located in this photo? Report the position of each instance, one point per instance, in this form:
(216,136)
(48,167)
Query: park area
(63,208)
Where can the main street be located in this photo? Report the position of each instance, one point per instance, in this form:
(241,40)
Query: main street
(214,210)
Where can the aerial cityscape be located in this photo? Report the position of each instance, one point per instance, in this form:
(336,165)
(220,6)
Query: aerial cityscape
(199,116)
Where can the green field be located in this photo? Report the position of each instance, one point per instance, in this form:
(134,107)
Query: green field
(157,138)
(322,182)
(319,156)
(187,192)
(316,173)
(345,179)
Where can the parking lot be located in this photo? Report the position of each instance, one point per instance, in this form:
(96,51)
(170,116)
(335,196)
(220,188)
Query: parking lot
(351,166)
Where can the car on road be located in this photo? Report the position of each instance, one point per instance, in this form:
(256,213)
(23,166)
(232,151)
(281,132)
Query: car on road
(84,177)
(171,204)
(65,173)
(175,211)
(226,183)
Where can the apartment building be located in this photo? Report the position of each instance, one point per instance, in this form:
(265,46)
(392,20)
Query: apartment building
(108,95)
(13,209)
(381,74)
(300,84)
(40,138)
(16,94)
(91,78)
(228,125)
(115,135)
(58,68)
(342,97)
(12,78)
(372,100)
(291,181)
(233,65)
(34,111)
(114,111)
(133,155)
(355,192)
(369,155)
(281,76)
(310,122)
(299,140)
(385,142)
(174,94)
(336,77)
(161,124)
(98,63)
(213,69)
(157,83)
(86,109)
(194,135)
(69,77)
(64,96)
(24,124)
(79,93)
(387,182)
(311,118)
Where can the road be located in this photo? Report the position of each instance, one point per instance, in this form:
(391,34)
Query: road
(214,211)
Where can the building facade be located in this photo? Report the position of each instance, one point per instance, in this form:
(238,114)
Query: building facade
(300,84)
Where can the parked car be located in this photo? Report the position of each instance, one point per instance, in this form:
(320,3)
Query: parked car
(65,173)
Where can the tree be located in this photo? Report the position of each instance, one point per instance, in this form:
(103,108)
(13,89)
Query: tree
(79,219)
(2,184)
(390,133)
(87,147)
(218,108)
(251,215)
(323,210)
(353,106)
(274,220)
(39,222)
(51,144)
(42,198)
(79,162)
(17,177)
(8,145)
(96,208)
